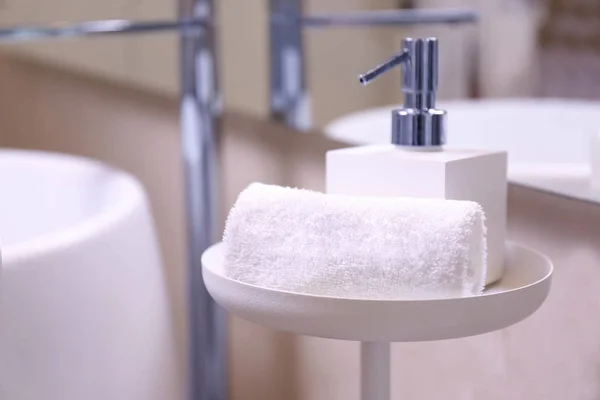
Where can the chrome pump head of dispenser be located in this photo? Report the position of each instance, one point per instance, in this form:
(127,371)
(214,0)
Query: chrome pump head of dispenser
(418,123)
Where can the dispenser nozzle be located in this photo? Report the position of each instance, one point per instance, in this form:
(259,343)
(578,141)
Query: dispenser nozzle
(419,123)
(398,58)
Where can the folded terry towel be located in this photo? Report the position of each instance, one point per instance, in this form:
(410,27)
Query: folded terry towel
(355,247)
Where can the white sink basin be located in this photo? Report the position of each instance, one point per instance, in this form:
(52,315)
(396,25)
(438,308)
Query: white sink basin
(548,141)
(83,303)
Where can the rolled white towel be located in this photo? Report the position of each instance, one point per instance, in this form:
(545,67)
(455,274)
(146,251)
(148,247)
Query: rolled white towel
(355,247)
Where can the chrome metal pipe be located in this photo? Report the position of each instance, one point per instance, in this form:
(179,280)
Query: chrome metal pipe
(288,97)
(200,104)
(399,58)
(30,33)
(387,17)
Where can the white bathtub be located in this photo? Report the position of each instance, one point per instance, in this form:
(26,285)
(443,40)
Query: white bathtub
(549,141)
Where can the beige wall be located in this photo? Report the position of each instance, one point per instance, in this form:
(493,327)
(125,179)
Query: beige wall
(145,61)
(554,355)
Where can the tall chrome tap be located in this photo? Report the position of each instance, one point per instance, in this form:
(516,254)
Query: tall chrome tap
(200,99)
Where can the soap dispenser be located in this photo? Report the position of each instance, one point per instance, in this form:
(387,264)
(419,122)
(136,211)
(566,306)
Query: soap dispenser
(415,163)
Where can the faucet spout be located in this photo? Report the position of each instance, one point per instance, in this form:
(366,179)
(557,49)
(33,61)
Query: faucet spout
(403,56)
(390,17)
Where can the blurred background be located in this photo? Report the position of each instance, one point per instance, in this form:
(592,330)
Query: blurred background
(499,56)
(518,48)
(116,99)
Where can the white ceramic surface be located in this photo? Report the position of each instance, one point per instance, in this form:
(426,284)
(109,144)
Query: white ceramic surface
(548,140)
(83,303)
(595,159)
(521,292)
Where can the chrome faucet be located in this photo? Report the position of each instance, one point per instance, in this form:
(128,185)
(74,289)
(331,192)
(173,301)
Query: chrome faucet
(200,109)
(288,94)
